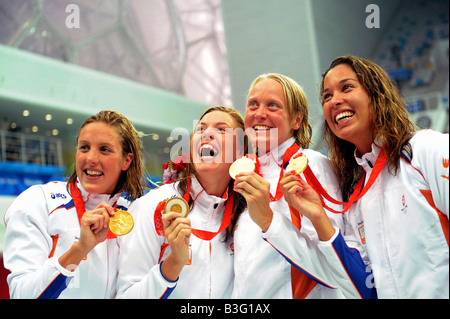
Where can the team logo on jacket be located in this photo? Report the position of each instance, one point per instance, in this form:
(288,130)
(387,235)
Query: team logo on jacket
(445,163)
(404,206)
(57,195)
(362,233)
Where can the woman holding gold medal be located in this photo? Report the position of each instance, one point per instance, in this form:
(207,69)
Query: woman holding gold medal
(58,243)
(277,114)
(395,183)
(181,246)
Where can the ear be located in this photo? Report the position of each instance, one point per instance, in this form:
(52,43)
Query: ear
(127,161)
(297,121)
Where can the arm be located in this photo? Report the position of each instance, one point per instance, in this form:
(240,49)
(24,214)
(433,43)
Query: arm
(431,157)
(332,263)
(27,249)
(140,270)
(348,270)
(178,232)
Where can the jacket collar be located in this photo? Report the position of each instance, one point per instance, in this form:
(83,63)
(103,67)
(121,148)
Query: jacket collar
(199,194)
(92,200)
(367,161)
(276,153)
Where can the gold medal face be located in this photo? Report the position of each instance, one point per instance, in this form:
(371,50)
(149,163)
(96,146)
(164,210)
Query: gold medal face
(121,223)
(242,165)
(298,164)
(177,205)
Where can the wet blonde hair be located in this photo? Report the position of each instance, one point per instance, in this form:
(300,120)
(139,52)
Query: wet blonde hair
(297,104)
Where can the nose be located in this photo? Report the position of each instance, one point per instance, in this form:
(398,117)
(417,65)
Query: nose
(336,100)
(208,134)
(260,112)
(92,157)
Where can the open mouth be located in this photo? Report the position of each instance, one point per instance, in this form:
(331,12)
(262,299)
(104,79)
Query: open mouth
(261,128)
(207,151)
(92,173)
(344,116)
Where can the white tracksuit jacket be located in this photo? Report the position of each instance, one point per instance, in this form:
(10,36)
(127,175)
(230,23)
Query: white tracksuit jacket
(402,225)
(262,272)
(210,275)
(41,225)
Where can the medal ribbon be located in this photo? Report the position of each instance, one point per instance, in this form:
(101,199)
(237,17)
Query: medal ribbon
(202,234)
(286,158)
(226,219)
(359,189)
(79,206)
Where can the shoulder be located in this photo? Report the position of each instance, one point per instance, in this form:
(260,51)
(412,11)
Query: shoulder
(317,160)
(429,144)
(39,200)
(315,155)
(154,196)
(429,139)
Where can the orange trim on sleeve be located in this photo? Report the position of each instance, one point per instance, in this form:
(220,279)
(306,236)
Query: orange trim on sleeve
(442,217)
(301,284)
(163,249)
(55,242)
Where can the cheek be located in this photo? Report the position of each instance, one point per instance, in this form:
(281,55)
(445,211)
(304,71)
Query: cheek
(79,160)
(327,114)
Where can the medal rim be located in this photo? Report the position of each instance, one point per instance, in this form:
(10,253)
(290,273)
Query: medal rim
(241,159)
(293,160)
(178,198)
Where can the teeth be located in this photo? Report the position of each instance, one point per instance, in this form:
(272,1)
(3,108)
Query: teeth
(343,116)
(207,151)
(90,172)
(261,127)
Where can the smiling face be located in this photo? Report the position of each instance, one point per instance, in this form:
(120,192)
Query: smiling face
(99,159)
(267,119)
(346,107)
(215,144)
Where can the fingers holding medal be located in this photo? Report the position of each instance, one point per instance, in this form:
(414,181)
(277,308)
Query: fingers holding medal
(245,164)
(298,164)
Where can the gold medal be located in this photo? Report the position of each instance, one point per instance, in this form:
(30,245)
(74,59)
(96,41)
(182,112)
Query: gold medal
(121,223)
(298,165)
(242,165)
(177,205)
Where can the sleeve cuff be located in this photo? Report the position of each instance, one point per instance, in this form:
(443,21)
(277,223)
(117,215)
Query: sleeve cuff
(273,228)
(168,282)
(332,239)
(61,269)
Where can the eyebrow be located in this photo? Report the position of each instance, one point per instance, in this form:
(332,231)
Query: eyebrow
(217,124)
(102,144)
(342,81)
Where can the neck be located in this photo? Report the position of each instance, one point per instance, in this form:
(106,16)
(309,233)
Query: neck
(213,185)
(363,149)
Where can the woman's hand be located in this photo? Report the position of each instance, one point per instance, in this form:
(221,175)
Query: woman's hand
(94,226)
(178,232)
(256,191)
(301,196)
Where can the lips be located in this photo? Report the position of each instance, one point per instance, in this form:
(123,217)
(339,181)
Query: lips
(343,116)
